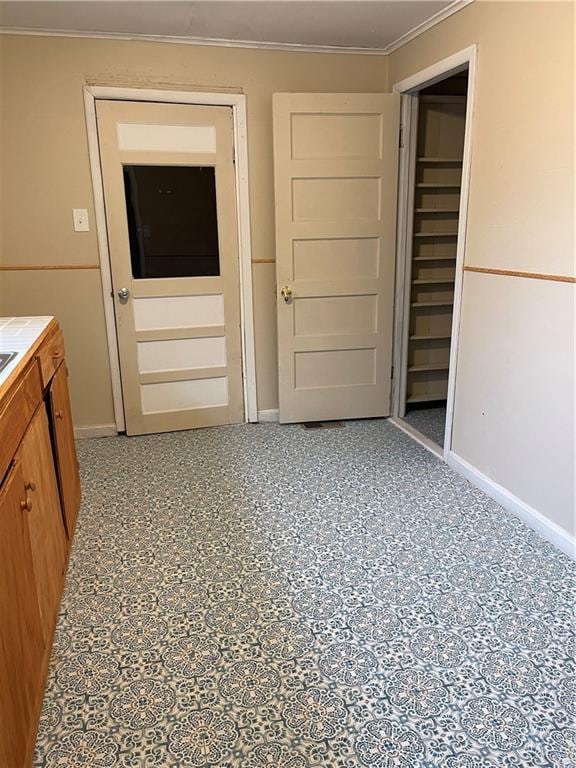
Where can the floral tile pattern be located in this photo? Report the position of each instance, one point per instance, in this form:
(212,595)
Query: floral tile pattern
(269,597)
(430,421)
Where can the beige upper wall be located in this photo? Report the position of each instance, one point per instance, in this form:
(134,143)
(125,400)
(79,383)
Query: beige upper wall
(521,194)
(46,174)
(1,154)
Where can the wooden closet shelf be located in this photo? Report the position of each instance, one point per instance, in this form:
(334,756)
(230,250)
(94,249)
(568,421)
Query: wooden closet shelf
(428,367)
(437,98)
(435,185)
(432,304)
(427,398)
(434,258)
(429,338)
(435,234)
(440,160)
(436,210)
(434,281)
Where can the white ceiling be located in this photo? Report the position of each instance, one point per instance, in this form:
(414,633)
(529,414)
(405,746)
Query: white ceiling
(354,24)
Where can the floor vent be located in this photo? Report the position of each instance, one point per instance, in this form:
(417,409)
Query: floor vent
(322,424)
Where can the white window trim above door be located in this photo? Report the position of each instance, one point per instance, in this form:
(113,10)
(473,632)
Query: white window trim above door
(238,104)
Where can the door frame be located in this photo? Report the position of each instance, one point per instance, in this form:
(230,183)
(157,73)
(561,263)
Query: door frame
(237,102)
(457,62)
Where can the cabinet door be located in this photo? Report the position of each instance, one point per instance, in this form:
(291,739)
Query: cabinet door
(66,461)
(45,524)
(21,642)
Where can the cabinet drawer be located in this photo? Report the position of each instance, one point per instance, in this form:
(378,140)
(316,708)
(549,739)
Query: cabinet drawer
(49,355)
(15,414)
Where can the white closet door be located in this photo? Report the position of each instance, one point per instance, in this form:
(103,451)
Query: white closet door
(336,180)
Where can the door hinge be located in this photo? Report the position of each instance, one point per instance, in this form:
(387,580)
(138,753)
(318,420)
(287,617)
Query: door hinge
(392,372)
(234,154)
(401,137)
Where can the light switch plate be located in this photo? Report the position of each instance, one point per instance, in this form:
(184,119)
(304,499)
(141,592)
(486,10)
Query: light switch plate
(80,216)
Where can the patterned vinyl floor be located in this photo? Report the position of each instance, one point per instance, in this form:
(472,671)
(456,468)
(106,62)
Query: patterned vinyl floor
(429,421)
(271,597)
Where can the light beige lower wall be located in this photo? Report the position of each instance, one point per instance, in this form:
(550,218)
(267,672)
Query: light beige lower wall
(514,410)
(46,173)
(264,285)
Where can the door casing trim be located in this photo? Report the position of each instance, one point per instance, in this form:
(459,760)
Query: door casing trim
(464,59)
(238,104)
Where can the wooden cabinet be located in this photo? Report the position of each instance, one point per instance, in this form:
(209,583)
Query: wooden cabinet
(50,355)
(48,539)
(66,462)
(16,409)
(22,648)
(39,502)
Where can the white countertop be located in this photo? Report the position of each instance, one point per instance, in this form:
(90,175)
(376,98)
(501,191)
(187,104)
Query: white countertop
(18,334)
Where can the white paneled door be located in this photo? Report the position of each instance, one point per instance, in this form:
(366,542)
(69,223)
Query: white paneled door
(171,216)
(335,159)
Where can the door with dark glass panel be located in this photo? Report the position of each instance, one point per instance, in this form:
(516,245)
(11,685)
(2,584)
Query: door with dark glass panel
(171,216)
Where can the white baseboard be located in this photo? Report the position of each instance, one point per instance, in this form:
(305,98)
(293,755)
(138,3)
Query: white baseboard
(95,430)
(536,520)
(270,415)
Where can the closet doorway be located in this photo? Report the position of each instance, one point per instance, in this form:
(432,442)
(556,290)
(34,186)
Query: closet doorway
(430,255)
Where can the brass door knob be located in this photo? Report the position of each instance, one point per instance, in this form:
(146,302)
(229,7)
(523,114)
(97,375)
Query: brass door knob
(30,485)
(59,414)
(286,293)
(26,504)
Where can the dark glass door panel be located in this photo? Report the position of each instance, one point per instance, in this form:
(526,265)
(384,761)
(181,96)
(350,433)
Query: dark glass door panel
(172,220)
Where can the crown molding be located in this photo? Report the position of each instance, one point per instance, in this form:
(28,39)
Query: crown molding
(215,42)
(454,7)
